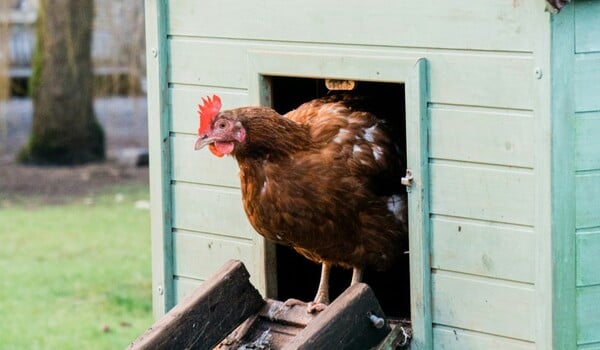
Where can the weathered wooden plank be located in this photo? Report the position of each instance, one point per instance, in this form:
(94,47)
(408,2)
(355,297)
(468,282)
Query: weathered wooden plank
(453,338)
(587,141)
(498,136)
(430,23)
(207,315)
(277,311)
(588,309)
(191,204)
(486,193)
(587,192)
(587,89)
(485,305)
(506,77)
(482,248)
(198,255)
(272,327)
(344,324)
(399,337)
(587,26)
(184,102)
(201,166)
(588,258)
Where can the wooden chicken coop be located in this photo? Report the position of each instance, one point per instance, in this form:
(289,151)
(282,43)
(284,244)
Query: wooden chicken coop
(501,103)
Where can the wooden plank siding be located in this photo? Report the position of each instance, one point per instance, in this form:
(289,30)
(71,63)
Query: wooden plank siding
(587,26)
(501,137)
(487,193)
(484,305)
(481,150)
(587,172)
(209,62)
(391,23)
(199,255)
(453,338)
(483,248)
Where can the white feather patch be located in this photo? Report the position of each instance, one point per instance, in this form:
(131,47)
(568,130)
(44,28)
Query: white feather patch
(342,136)
(377,152)
(395,205)
(370,133)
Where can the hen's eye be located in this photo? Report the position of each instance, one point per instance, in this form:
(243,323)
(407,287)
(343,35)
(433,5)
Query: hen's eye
(222,125)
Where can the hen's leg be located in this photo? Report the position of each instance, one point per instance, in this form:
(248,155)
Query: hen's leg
(356,276)
(322,297)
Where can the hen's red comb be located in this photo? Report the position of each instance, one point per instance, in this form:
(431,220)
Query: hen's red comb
(209,108)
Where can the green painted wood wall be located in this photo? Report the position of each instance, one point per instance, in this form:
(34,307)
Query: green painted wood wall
(587,171)
(486,152)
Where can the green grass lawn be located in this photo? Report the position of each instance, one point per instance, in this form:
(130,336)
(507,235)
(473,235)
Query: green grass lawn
(75,276)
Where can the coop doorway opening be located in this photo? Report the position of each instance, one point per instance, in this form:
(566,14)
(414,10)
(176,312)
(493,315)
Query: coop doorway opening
(293,275)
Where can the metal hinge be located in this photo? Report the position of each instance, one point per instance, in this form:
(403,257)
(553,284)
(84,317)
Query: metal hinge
(407,179)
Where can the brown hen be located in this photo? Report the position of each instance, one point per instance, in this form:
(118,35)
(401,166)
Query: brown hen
(323,179)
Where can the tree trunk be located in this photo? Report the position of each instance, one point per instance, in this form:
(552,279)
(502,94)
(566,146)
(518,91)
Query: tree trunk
(65,129)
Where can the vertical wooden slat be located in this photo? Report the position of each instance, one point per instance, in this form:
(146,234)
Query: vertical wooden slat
(158,144)
(418,202)
(563,239)
(554,183)
(542,165)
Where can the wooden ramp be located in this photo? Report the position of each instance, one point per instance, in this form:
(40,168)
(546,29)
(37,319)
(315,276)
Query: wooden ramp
(226,312)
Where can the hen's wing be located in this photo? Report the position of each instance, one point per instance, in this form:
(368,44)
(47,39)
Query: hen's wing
(346,128)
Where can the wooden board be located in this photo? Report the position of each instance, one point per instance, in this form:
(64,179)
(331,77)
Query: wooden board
(482,135)
(184,286)
(483,248)
(486,193)
(587,26)
(201,167)
(197,255)
(491,25)
(588,257)
(587,142)
(344,324)
(207,315)
(207,209)
(455,338)
(494,79)
(588,309)
(587,192)
(587,89)
(485,305)
(589,346)
(274,326)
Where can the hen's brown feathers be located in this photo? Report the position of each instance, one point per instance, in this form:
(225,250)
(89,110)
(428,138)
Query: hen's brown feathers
(324,179)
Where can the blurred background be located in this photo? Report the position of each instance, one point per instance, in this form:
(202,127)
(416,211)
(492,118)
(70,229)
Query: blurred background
(74,220)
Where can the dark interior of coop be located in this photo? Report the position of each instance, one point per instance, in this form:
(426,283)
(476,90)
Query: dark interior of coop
(298,277)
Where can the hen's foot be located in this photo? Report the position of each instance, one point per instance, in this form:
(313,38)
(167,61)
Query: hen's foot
(311,307)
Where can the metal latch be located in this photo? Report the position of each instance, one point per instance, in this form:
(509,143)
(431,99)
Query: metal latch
(407,180)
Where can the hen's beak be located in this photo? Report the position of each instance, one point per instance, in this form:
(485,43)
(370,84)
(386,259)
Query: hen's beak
(203,141)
